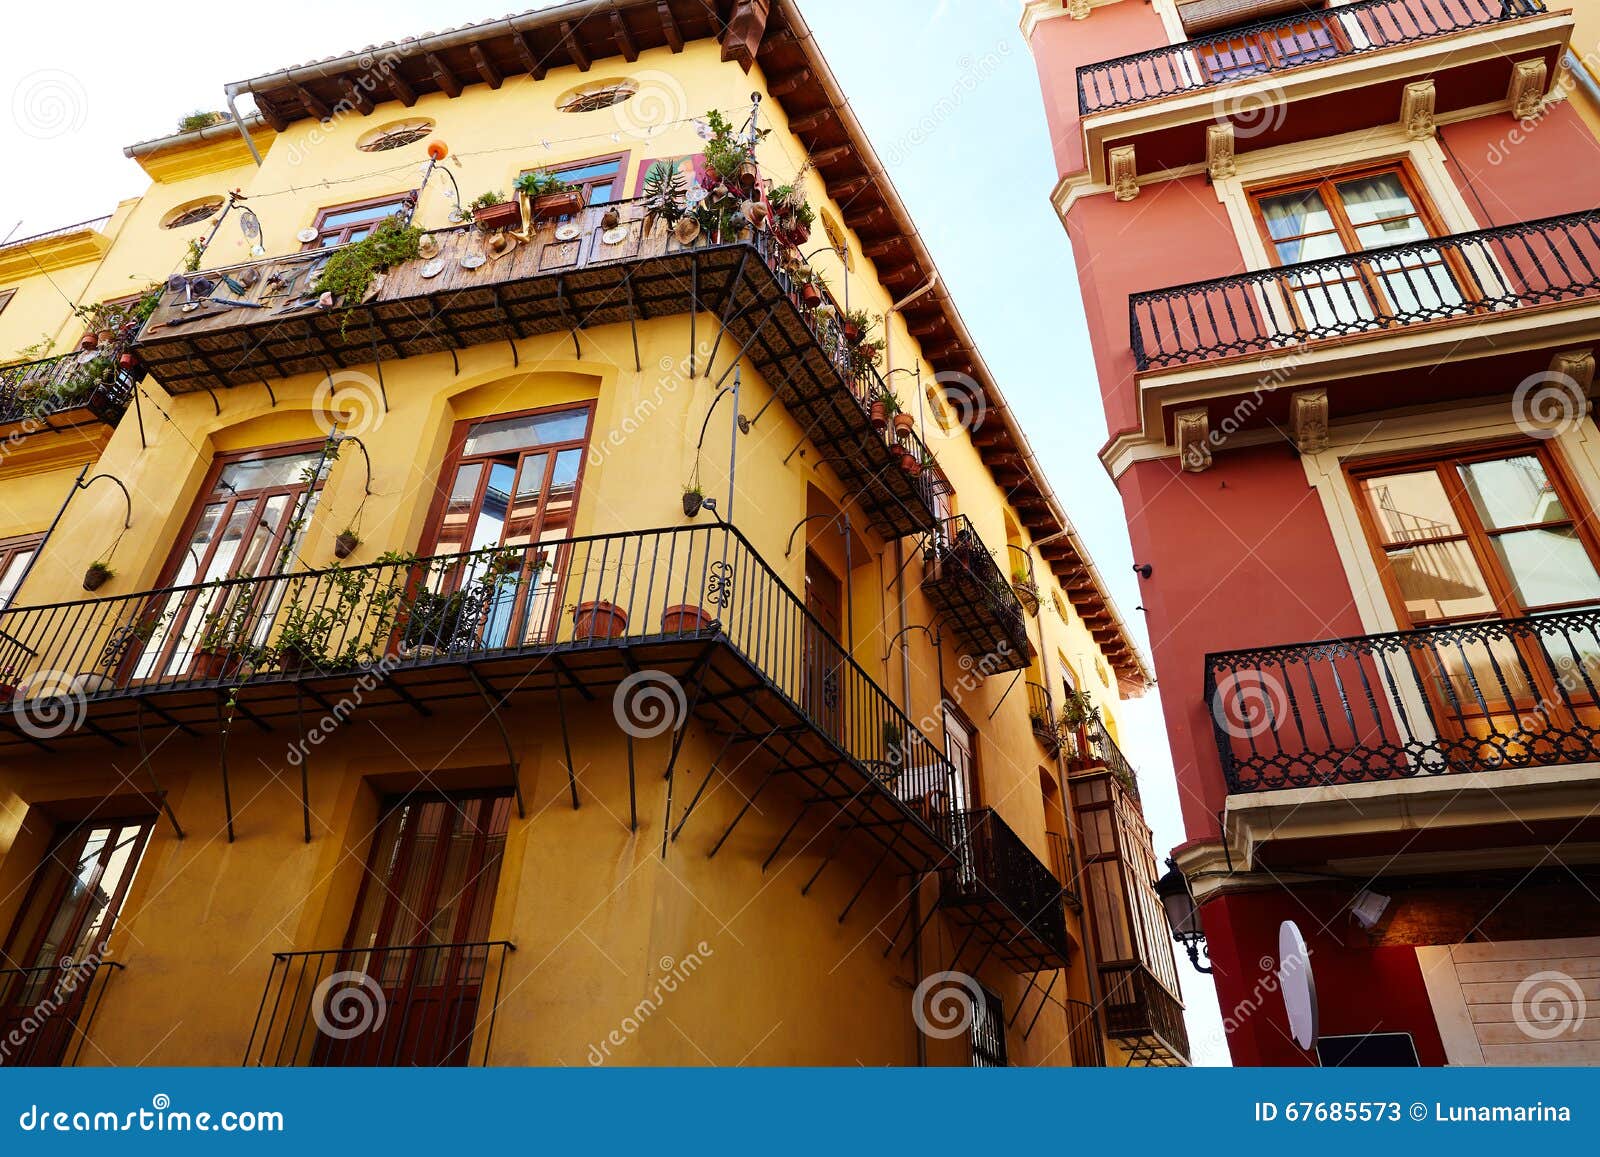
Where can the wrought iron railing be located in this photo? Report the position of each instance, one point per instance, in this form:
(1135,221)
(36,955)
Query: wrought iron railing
(598,591)
(1142,1013)
(95,223)
(410,1005)
(1283,43)
(46,1013)
(1509,267)
(991,860)
(31,392)
(1042,717)
(1084,1035)
(1064,866)
(1482,696)
(963,579)
(1090,745)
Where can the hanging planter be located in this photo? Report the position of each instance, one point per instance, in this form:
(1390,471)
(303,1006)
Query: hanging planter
(910,463)
(492,212)
(879,415)
(904,423)
(810,296)
(97,576)
(683,620)
(345,544)
(748,174)
(852,330)
(693,500)
(598,620)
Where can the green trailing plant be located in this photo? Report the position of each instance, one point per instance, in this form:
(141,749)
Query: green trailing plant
(350,271)
(542,182)
(1078,710)
(487,199)
(192,254)
(200,119)
(38,351)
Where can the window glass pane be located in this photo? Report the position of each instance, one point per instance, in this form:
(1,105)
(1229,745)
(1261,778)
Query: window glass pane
(1292,215)
(1512,492)
(1381,197)
(500,435)
(1305,43)
(585,172)
(1228,59)
(1548,566)
(267,473)
(12,575)
(1410,507)
(1440,580)
(342,217)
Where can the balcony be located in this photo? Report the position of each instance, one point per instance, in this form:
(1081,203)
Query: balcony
(415,1005)
(1063,865)
(1439,740)
(567,278)
(1008,902)
(493,628)
(46,1013)
(975,599)
(1084,1036)
(1143,1016)
(1373,325)
(63,393)
(1313,74)
(1042,717)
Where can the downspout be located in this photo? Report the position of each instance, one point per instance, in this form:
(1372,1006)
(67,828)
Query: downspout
(233,111)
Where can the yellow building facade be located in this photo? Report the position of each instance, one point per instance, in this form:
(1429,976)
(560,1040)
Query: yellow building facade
(417,721)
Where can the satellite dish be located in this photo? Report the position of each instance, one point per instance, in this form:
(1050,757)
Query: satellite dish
(1295,982)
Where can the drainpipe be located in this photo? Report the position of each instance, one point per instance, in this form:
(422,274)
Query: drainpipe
(233,111)
(1570,61)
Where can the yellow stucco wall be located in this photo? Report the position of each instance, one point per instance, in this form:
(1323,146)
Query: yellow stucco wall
(594,909)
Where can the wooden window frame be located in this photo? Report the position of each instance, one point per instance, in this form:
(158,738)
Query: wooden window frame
(1477,537)
(618,183)
(6,297)
(975,792)
(145,821)
(1326,184)
(11,547)
(342,233)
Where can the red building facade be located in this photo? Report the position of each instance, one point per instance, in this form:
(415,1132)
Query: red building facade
(1341,269)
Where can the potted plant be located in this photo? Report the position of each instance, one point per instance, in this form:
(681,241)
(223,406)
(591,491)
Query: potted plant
(904,423)
(222,648)
(548,196)
(1078,711)
(433,622)
(598,619)
(857,324)
(303,636)
(8,689)
(345,544)
(492,211)
(664,194)
(910,462)
(684,619)
(97,576)
(1027,591)
(693,499)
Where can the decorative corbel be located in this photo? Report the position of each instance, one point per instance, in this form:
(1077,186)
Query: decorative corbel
(1124,173)
(1219,151)
(1191,430)
(1526,93)
(1308,420)
(1416,110)
(1078,9)
(1576,366)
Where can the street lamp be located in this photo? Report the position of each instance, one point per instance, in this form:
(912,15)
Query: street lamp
(1183,916)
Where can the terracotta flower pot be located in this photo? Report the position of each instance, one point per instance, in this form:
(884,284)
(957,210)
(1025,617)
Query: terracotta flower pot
(748,174)
(911,464)
(852,331)
(684,619)
(904,423)
(214,663)
(598,620)
(506,215)
(879,416)
(810,296)
(800,233)
(553,205)
(292,660)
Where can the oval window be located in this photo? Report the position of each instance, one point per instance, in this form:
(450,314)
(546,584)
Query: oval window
(598,95)
(191,212)
(395,135)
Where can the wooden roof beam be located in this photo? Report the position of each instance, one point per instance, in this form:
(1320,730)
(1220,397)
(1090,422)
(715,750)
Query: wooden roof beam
(669,26)
(399,87)
(275,119)
(358,97)
(625,44)
(569,37)
(790,84)
(313,103)
(486,67)
(449,83)
(741,39)
(526,54)
(827,158)
(810,122)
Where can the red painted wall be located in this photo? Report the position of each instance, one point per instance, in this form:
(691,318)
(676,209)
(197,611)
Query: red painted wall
(1360,989)
(1243,557)
(1061,44)
(1510,170)
(1172,233)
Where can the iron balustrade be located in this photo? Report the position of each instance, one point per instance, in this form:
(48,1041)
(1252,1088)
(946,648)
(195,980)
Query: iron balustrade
(1271,46)
(1084,1035)
(992,863)
(963,580)
(1141,1012)
(1090,745)
(1478,274)
(409,1005)
(1469,697)
(1042,715)
(33,392)
(46,1012)
(1064,865)
(572,595)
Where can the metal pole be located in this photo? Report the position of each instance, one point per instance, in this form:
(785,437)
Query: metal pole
(77,485)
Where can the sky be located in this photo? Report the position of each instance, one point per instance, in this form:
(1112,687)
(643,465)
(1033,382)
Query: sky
(947,92)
